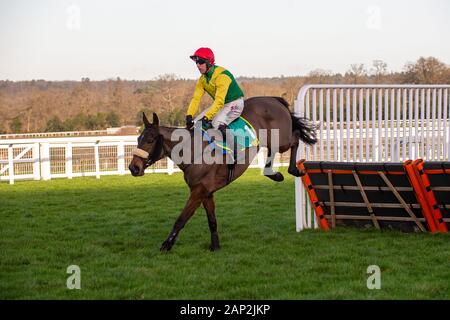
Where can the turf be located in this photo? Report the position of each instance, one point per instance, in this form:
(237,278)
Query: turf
(112,229)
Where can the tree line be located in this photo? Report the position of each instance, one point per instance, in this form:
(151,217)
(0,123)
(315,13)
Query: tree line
(39,105)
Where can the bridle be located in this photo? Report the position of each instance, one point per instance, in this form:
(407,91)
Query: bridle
(149,160)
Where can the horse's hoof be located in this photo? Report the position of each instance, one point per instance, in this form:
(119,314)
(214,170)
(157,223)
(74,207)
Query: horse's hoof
(214,247)
(296,173)
(166,246)
(278,177)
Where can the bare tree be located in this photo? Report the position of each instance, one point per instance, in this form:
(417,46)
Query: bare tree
(319,76)
(357,72)
(165,87)
(292,85)
(379,70)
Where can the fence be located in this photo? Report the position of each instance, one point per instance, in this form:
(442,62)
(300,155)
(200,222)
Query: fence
(53,134)
(48,158)
(365,123)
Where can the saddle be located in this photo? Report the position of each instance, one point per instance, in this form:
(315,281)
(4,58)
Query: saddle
(244,136)
(242,132)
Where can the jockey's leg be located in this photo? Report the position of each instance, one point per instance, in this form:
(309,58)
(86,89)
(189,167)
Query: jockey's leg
(229,112)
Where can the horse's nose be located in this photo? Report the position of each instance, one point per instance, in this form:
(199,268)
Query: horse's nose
(134,169)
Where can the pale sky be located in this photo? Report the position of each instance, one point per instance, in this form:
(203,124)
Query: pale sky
(141,39)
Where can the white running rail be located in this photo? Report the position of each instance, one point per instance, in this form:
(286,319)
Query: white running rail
(48,158)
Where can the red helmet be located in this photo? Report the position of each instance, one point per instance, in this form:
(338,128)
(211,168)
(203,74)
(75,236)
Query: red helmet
(204,53)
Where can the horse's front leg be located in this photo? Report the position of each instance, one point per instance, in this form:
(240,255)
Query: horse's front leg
(195,199)
(209,205)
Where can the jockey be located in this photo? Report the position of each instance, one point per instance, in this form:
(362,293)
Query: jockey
(220,84)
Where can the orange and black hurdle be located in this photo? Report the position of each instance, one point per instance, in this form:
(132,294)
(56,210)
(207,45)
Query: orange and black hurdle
(435,178)
(318,209)
(380,195)
(420,192)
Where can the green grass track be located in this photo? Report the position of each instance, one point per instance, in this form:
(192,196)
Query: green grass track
(112,229)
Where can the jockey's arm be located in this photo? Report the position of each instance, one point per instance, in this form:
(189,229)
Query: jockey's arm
(195,102)
(222,84)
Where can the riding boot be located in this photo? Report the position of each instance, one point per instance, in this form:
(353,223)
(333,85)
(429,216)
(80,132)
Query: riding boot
(223,130)
(233,155)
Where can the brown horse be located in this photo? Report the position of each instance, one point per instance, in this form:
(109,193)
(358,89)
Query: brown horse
(270,113)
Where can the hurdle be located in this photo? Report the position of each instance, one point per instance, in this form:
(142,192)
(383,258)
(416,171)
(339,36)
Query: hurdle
(435,178)
(377,195)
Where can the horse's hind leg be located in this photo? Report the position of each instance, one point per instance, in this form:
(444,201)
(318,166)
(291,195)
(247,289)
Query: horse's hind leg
(195,199)
(209,205)
(293,170)
(268,170)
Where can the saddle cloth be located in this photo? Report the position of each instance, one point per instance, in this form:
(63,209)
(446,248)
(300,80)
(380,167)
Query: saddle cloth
(244,136)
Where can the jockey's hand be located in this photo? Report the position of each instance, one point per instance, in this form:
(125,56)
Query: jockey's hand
(189,122)
(206,123)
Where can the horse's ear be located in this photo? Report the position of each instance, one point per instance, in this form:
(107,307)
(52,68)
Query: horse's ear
(146,122)
(155,119)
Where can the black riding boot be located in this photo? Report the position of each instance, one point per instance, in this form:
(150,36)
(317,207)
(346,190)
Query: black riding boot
(223,129)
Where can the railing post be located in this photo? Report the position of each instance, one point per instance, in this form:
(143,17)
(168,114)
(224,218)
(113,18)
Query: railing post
(69,157)
(448,143)
(45,161)
(447,133)
(121,157)
(377,139)
(170,166)
(11,164)
(97,160)
(36,166)
(261,158)
(299,206)
(300,212)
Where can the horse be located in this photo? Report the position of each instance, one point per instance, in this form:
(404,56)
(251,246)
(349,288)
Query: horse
(203,180)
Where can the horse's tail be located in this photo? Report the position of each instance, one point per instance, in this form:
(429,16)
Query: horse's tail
(305,129)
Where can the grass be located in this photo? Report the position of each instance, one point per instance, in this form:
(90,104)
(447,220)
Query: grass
(113,227)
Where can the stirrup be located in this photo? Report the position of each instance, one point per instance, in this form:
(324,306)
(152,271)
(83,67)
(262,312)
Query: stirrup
(230,172)
(231,166)
(232,157)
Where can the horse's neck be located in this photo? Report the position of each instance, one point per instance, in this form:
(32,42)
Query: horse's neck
(166,132)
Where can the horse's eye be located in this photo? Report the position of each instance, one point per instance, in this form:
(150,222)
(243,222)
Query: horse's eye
(149,140)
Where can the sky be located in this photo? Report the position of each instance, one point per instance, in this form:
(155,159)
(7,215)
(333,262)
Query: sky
(142,39)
